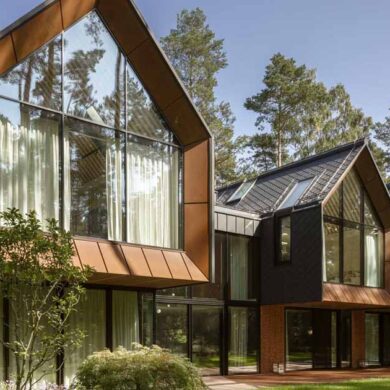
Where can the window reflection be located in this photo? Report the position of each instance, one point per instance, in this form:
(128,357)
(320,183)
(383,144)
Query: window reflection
(94,73)
(37,79)
(172,331)
(360,232)
(332,252)
(206,338)
(94,169)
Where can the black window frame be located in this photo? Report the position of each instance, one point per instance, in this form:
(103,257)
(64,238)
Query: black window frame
(278,237)
(341,222)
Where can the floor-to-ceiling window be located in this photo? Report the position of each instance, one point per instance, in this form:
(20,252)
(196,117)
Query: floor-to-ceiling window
(299,334)
(317,338)
(353,237)
(372,338)
(81,141)
(216,324)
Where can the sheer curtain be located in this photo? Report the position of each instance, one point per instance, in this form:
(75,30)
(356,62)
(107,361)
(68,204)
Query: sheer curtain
(125,319)
(91,318)
(238,345)
(29,161)
(238,249)
(152,195)
(373,244)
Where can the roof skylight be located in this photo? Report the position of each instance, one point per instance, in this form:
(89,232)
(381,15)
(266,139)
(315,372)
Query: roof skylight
(296,193)
(241,191)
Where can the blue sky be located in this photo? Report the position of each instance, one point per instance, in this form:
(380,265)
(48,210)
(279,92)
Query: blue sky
(347,41)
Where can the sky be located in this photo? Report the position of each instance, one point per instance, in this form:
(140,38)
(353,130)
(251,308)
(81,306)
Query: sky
(347,41)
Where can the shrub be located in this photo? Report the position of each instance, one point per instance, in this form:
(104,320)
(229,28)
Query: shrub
(141,369)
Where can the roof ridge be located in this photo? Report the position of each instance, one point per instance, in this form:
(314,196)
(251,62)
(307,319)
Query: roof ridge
(358,142)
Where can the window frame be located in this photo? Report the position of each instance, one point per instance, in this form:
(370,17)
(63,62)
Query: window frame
(278,217)
(63,114)
(341,222)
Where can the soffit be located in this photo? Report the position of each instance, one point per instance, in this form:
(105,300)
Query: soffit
(122,264)
(342,294)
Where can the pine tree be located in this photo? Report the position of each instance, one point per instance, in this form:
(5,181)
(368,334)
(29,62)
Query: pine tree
(197,55)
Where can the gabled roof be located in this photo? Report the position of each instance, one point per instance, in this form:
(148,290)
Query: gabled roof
(326,170)
(134,37)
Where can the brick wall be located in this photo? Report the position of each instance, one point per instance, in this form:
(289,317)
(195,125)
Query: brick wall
(271,336)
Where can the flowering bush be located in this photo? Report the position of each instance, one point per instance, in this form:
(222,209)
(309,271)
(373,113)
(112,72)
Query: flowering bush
(141,369)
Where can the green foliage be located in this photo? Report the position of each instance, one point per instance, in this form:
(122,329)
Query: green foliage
(382,136)
(198,56)
(42,288)
(298,116)
(141,369)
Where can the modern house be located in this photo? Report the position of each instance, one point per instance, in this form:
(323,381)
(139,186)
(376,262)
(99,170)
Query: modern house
(288,270)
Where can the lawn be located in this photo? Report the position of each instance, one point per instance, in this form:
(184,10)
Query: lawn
(366,384)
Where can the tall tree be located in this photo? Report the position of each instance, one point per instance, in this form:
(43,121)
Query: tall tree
(382,136)
(298,116)
(197,55)
(280,102)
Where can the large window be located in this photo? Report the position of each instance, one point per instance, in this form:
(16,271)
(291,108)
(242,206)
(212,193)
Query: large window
(91,317)
(317,338)
(243,339)
(172,327)
(353,237)
(241,268)
(206,338)
(372,338)
(96,155)
(29,159)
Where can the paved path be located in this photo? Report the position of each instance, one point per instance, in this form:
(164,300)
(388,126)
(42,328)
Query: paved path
(250,382)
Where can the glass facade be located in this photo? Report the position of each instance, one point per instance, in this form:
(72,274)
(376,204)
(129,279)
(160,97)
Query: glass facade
(29,159)
(372,338)
(96,155)
(216,325)
(243,340)
(353,237)
(206,338)
(172,327)
(317,338)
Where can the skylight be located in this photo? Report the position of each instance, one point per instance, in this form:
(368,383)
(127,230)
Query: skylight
(296,193)
(241,191)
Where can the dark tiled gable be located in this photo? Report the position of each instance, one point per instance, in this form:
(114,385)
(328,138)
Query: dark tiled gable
(271,187)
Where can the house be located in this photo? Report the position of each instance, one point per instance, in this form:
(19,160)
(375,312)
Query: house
(286,271)
(323,258)
(97,131)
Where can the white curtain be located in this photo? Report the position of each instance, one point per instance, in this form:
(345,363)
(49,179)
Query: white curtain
(125,322)
(29,167)
(91,318)
(239,262)
(152,196)
(114,188)
(238,351)
(373,258)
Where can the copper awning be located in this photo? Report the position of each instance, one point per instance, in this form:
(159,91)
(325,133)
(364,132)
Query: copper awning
(121,264)
(355,295)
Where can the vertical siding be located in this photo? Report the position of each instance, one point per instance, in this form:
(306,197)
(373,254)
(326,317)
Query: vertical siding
(301,280)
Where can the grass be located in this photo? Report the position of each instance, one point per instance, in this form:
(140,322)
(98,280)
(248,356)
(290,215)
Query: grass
(365,384)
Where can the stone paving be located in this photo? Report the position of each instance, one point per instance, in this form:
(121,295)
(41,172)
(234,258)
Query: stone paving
(250,382)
